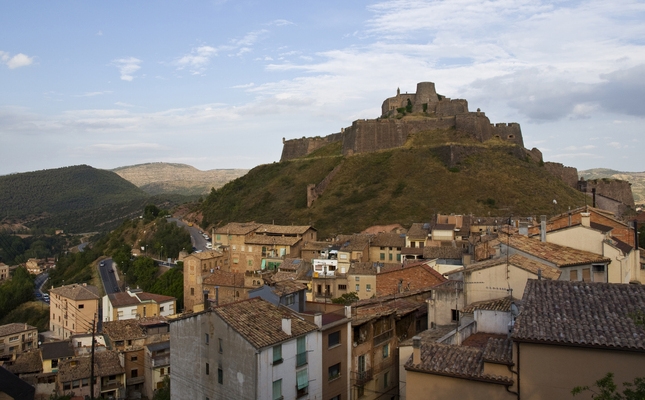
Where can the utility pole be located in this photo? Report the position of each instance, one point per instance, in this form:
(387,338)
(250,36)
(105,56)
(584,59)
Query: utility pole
(92,360)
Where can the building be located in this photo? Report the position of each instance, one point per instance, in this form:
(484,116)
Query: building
(250,349)
(17,338)
(135,303)
(572,333)
(157,366)
(128,338)
(109,376)
(386,247)
(404,279)
(72,309)
(53,353)
(4,272)
(196,267)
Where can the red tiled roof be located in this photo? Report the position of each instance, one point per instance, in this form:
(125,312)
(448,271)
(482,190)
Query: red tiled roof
(413,277)
(561,256)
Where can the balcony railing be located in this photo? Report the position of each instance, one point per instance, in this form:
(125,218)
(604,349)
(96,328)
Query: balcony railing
(362,377)
(160,361)
(378,339)
(111,385)
(135,380)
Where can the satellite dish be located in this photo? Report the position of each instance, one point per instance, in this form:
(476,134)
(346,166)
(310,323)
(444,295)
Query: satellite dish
(514,310)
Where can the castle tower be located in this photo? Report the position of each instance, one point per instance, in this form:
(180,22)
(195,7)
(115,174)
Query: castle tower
(426,93)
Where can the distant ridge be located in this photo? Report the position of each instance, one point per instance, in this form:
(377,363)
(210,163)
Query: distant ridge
(171,178)
(637,179)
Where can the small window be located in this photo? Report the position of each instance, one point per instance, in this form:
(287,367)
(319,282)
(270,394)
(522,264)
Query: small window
(342,287)
(250,262)
(277,389)
(333,339)
(133,358)
(455,315)
(220,376)
(386,350)
(81,306)
(358,278)
(208,369)
(368,287)
(192,291)
(134,373)
(386,380)
(334,372)
(206,338)
(277,354)
(220,345)
(358,288)
(382,256)
(598,268)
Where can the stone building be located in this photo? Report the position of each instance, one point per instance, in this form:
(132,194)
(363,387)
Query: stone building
(16,338)
(72,309)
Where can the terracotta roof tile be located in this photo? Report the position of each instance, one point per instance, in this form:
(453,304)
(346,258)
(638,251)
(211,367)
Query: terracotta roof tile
(273,240)
(548,272)
(14,327)
(127,329)
(419,230)
(561,256)
(499,351)
(582,314)
(388,240)
(207,255)
(443,252)
(106,363)
(260,322)
(77,292)
(314,245)
(414,277)
(283,229)
(287,287)
(29,362)
(356,242)
(220,277)
(503,304)
(237,228)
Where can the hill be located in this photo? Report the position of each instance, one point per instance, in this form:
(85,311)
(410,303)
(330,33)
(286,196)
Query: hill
(163,178)
(637,179)
(75,199)
(399,185)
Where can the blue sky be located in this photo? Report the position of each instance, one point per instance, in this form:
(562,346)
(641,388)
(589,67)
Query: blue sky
(218,84)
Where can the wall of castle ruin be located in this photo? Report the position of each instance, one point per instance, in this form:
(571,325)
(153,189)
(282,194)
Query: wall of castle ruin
(568,175)
(296,148)
(612,188)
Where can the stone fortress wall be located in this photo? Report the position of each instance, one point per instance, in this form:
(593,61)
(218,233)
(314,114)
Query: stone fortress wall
(370,135)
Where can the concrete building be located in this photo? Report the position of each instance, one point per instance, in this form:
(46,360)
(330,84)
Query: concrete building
(135,303)
(245,350)
(17,338)
(157,366)
(72,309)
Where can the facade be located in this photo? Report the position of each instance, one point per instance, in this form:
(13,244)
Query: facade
(53,353)
(245,350)
(404,279)
(72,309)
(386,247)
(135,303)
(4,272)
(157,366)
(329,280)
(196,267)
(17,338)
(361,279)
(74,376)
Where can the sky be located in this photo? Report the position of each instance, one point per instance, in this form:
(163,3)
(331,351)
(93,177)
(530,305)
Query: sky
(219,84)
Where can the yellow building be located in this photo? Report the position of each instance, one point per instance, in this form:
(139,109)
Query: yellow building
(17,338)
(72,309)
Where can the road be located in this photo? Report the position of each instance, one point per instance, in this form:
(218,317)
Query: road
(199,242)
(109,279)
(38,284)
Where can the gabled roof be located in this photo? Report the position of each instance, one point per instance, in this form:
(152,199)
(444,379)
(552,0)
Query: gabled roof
(499,351)
(286,287)
(283,229)
(356,242)
(561,256)
(123,299)
(54,350)
(273,240)
(419,230)
(456,361)
(527,264)
(14,327)
(260,322)
(237,228)
(207,255)
(77,292)
(316,245)
(408,278)
(127,329)
(389,239)
(590,314)
(106,363)
(443,252)
(159,345)
(29,362)
(220,277)
(363,268)
(502,304)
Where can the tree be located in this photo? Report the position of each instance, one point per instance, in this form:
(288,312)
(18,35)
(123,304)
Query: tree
(605,389)
(163,393)
(346,298)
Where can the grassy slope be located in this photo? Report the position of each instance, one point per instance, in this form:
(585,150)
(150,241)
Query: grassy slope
(402,185)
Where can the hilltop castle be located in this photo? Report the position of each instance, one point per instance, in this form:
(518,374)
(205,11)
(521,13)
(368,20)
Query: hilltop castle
(390,131)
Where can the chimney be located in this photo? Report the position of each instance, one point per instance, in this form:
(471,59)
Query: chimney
(416,350)
(378,268)
(286,325)
(585,219)
(542,228)
(318,319)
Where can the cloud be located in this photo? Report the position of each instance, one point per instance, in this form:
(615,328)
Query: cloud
(245,86)
(111,147)
(280,22)
(92,94)
(99,33)
(197,60)
(17,61)
(127,67)
(122,104)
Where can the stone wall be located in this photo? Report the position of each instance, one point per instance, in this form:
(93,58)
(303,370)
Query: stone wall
(612,188)
(315,191)
(569,175)
(296,148)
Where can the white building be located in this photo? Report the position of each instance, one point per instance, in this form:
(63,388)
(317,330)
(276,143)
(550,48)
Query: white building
(246,350)
(135,304)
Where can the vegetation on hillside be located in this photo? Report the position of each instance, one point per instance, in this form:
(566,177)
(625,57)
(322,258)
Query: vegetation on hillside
(15,250)
(19,289)
(401,185)
(34,313)
(77,267)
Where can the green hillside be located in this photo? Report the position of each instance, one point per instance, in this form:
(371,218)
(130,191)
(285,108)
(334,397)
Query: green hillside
(402,185)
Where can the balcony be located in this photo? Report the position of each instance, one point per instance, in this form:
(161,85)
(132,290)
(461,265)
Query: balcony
(135,380)
(362,377)
(160,361)
(110,385)
(378,339)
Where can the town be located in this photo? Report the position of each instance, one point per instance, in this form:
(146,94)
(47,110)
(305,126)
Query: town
(459,306)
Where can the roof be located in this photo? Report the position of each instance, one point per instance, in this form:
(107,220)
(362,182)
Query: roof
(126,329)
(219,277)
(260,322)
(582,314)
(106,363)
(206,255)
(77,292)
(159,345)
(363,268)
(316,245)
(499,351)
(283,229)
(356,242)
(419,230)
(29,362)
(283,288)
(389,239)
(443,252)
(456,361)
(237,228)
(626,248)
(502,304)
(291,264)
(444,227)
(54,350)
(561,256)
(15,327)
(124,299)
(527,264)
(273,240)
(408,278)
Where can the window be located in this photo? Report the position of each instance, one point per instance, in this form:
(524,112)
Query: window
(218,237)
(360,391)
(250,262)
(236,260)
(206,338)
(573,275)
(81,306)
(220,345)
(277,389)
(290,299)
(390,256)
(161,309)
(220,376)
(358,278)
(14,338)
(55,363)
(586,274)
(386,380)
(249,249)
(67,386)
(334,372)
(598,268)
(342,287)
(455,315)
(368,287)
(386,350)
(302,379)
(162,371)
(277,354)
(301,357)
(208,370)
(333,339)
(382,256)
(133,358)
(358,288)
(134,373)
(398,257)
(192,291)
